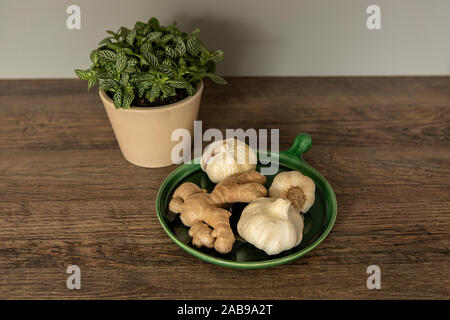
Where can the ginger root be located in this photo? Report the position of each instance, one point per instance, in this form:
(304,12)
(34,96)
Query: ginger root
(209,223)
(241,187)
(195,207)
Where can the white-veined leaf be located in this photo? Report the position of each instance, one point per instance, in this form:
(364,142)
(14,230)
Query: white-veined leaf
(146,48)
(107,84)
(167,37)
(83,74)
(131,35)
(180,47)
(91,83)
(153,93)
(218,55)
(118,98)
(121,61)
(193,46)
(167,71)
(106,55)
(152,59)
(155,35)
(172,53)
(128,98)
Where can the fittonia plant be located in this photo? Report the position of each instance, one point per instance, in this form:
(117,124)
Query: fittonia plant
(150,65)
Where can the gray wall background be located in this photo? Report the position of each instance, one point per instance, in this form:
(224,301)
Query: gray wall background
(259,37)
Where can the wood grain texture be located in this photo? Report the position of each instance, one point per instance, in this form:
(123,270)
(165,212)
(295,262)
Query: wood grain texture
(67,196)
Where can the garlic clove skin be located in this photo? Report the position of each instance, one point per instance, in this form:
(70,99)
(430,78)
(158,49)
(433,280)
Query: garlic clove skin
(299,189)
(225,158)
(271,224)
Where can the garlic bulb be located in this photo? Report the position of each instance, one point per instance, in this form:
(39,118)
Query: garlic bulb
(271,224)
(224,158)
(295,187)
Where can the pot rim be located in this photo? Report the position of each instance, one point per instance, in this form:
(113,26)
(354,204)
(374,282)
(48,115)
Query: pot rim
(177,104)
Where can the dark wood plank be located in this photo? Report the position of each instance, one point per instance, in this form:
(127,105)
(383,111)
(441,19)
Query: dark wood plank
(67,196)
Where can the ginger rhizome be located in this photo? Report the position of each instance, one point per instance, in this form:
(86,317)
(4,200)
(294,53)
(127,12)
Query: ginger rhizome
(196,207)
(203,212)
(241,187)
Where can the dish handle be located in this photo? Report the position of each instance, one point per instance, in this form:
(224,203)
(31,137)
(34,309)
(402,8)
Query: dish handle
(301,144)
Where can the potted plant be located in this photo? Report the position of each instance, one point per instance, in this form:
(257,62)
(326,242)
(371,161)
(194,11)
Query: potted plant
(150,83)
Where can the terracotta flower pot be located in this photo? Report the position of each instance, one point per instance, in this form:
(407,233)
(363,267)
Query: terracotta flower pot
(144,133)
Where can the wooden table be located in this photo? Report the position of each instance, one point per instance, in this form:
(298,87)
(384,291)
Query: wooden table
(67,196)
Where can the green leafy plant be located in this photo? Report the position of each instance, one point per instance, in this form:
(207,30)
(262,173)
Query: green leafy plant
(150,65)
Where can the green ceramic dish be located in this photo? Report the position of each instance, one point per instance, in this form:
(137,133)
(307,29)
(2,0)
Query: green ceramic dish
(318,221)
